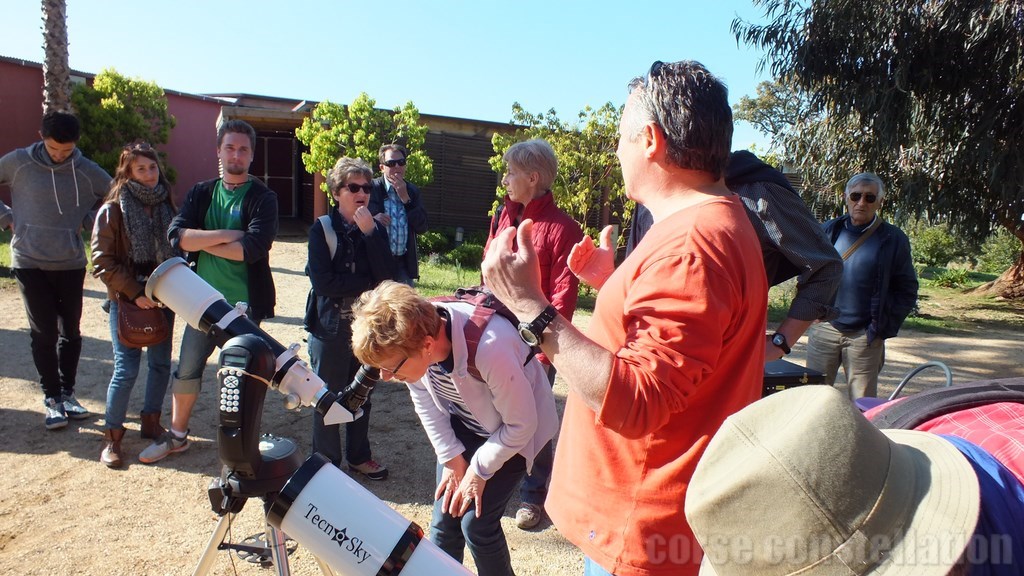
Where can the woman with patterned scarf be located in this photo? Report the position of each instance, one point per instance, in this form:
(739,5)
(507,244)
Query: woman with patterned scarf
(129,239)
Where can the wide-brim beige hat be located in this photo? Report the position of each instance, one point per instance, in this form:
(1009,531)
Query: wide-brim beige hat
(801,483)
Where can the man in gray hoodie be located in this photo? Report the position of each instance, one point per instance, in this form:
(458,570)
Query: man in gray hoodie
(54,194)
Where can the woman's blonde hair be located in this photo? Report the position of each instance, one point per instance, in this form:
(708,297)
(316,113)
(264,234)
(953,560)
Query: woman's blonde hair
(391,318)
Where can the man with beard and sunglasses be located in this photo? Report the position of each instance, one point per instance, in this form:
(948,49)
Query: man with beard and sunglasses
(398,205)
(877,291)
(227,227)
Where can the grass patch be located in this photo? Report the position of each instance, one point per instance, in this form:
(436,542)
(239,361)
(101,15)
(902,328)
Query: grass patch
(437,279)
(6,280)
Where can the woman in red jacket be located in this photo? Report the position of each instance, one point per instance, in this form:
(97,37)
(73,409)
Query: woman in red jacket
(532,167)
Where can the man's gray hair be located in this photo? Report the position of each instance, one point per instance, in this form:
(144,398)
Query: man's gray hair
(691,106)
(344,169)
(865,178)
(535,156)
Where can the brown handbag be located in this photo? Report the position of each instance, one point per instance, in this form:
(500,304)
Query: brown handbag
(140,327)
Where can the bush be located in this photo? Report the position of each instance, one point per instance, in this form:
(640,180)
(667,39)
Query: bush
(952,278)
(432,242)
(935,245)
(999,251)
(467,256)
(477,237)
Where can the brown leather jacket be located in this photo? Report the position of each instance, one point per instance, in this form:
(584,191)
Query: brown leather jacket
(110,248)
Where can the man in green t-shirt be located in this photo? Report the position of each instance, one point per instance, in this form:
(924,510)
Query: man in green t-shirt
(227,227)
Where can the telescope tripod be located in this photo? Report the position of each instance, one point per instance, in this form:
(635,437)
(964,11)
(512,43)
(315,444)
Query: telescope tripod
(228,495)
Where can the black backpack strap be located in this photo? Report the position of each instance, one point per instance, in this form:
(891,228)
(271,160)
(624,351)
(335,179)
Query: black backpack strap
(497,216)
(924,406)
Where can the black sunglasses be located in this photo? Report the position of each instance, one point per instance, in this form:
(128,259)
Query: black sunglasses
(355,188)
(395,162)
(139,147)
(653,72)
(869,198)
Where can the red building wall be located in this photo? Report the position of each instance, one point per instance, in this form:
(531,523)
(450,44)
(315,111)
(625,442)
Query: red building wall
(192,149)
(21,109)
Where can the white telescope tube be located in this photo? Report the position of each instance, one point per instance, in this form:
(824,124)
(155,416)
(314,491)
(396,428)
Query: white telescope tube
(352,530)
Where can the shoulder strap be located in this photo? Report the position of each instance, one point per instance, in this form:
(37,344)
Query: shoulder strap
(329,235)
(474,332)
(915,410)
(863,238)
(497,217)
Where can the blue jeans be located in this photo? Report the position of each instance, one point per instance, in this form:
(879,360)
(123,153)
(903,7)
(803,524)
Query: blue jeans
(591,568)
(333,362)
(196,348)
(53,303)
(126,370)
(535,486)
(479,530)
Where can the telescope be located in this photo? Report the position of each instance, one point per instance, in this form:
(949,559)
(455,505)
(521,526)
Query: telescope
(342,523)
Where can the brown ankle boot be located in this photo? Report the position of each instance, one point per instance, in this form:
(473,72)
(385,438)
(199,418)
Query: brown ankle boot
(111,455)
(151,427)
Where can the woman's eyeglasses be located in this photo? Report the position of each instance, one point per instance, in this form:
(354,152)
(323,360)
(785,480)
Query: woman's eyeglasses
(394,372)
(395,162)
(356,188)
(869,198)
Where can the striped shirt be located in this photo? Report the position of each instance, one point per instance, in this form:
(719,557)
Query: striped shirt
(442,384)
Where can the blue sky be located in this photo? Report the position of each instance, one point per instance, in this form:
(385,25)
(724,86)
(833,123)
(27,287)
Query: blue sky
(451,58)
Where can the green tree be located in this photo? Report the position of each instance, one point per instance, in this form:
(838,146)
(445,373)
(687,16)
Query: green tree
(798,127)
(117,110)
(774,111)
(589,182)
(56,71)
(358,131)
(999,251)
(930,95)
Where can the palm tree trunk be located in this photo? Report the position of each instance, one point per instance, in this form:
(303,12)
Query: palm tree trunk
(56,70)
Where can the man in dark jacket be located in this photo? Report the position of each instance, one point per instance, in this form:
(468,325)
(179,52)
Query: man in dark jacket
(792,244)
(877,291)
(227,226)
(398,205)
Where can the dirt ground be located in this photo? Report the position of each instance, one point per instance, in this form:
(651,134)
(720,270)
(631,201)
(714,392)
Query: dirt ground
(61,510)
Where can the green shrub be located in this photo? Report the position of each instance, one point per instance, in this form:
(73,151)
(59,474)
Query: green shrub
(467,256)
(999,251)
(477,237)
(935,245)
(952,278)
(432,242)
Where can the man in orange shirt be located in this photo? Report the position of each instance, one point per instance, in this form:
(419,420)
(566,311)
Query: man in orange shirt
(676,343)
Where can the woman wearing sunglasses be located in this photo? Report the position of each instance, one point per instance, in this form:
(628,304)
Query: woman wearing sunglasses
(349,253)
(486,431)
(129,240)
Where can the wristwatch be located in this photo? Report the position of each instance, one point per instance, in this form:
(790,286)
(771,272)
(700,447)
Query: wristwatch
(779,341)
(532,333)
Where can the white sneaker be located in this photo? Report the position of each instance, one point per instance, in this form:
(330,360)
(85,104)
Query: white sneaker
(167,444)
(55,416)
(73,409)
